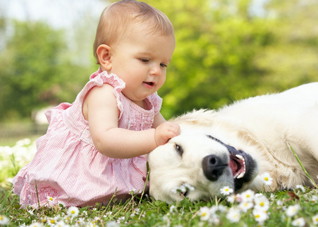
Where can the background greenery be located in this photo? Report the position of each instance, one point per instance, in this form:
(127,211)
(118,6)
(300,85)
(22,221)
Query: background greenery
(225,51)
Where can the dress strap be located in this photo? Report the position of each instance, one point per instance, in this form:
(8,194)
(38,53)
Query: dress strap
(99,78)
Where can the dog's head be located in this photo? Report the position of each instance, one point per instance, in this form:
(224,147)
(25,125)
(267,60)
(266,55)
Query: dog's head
(197,166)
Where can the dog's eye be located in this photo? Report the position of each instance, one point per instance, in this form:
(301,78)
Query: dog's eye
(179,149)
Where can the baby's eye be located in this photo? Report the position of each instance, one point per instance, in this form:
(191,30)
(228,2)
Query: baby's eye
(144,60)
(163,65)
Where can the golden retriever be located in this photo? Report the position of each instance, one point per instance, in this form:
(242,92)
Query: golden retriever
(235,145)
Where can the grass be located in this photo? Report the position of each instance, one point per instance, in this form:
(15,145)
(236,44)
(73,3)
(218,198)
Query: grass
(147,212)
(298,207)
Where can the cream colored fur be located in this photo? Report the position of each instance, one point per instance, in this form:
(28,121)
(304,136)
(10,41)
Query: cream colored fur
(265,127)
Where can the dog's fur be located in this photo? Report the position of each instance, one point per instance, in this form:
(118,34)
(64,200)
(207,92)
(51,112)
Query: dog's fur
(264,130)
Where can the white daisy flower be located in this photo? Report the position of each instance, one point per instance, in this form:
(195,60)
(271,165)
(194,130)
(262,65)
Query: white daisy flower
(247,196)
(314,198)
(36,224)
(292,210)
(112,224)
(171,209)
(302,188)
(4,220)
(61,224)
(315,219)
(299,222)
(261,202)
(245,206)
(204,213)
(50,199)
(266,178)
(233,215)
(260,215)
(279,203)
(231,198)
(226,190)
(51,221)
(72,211)
(183,188)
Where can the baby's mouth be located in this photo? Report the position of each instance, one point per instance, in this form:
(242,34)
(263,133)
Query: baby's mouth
(151,84)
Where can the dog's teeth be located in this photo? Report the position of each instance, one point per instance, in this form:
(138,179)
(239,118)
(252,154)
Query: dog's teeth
(240,175)
(240,157)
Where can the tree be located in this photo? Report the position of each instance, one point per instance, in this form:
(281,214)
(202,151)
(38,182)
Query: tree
(214,61)
(33,70)
(292,58)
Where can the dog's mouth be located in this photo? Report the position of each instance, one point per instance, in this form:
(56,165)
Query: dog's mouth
(237,165)
(243,167)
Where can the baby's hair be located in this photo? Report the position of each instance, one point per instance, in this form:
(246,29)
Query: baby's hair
(117,17)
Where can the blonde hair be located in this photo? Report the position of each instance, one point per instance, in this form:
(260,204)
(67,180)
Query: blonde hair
(117,17)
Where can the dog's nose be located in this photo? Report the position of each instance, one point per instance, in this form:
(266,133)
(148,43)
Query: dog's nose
(213,166)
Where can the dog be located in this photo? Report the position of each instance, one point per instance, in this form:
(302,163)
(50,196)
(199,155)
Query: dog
(235,145)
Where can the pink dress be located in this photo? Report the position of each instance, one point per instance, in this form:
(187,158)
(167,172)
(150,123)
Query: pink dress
(67,166)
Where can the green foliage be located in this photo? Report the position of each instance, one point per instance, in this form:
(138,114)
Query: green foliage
(33,70)
(223,53)
(214,61)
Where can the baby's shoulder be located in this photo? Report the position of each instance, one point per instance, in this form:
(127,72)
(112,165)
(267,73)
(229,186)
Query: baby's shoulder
(103,92)
(98,97)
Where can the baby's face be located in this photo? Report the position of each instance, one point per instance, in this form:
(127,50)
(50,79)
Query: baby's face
(141,59)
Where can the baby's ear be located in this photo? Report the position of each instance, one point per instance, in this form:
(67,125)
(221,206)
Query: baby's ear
(104,56)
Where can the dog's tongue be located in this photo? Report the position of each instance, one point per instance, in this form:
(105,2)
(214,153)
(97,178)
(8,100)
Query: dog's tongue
(237,165)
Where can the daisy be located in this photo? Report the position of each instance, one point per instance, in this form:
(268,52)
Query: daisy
(51,221)
(73,211)
(51,201)
(226,190)
(112,224)
(231,198)
(315,219)
(266,178)
(279,203)
(233,215)
(314,198)
(261,202)
(36,224)
(299,222)
(247,196)
(245,206)
(171,209)
(260,215)
(4,220)
(204,213)
(61,224)
(292,210)
(302,188)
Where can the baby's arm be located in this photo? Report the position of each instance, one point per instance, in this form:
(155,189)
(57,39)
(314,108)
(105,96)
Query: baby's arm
(101,112)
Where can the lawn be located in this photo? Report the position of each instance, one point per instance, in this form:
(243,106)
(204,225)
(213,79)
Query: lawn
(298,207)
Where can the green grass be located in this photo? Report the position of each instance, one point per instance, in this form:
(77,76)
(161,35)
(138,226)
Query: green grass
(144,211)
(147,212)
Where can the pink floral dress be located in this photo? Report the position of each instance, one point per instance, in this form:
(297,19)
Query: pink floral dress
(67,167)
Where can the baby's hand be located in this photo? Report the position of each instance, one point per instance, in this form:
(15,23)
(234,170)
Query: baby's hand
(165,132)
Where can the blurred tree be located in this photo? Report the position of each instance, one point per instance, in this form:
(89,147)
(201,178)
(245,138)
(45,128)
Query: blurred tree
(293,58)
(214,61)
(33,70)
(224,52)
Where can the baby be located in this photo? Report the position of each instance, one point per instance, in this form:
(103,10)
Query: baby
(95,148)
